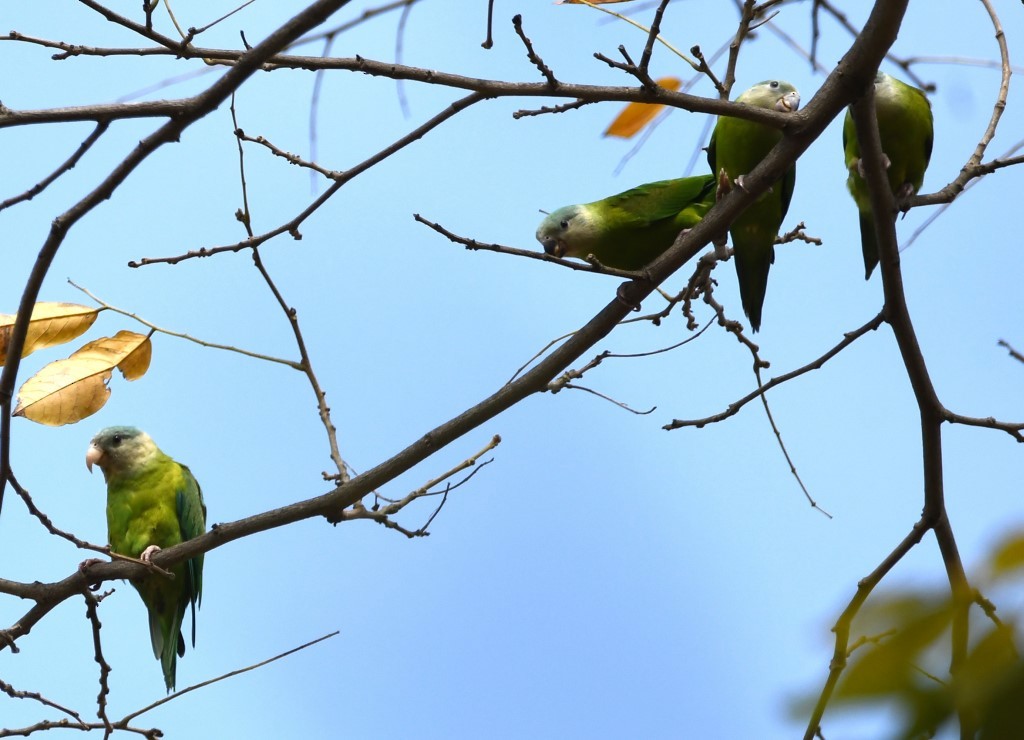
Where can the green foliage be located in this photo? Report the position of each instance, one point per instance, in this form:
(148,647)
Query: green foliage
(899,660)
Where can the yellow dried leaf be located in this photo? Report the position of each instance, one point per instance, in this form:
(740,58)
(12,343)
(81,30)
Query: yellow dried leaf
(64,392)
(637,115)
(51,324)
(139,354)
(1008,555)
(69,390)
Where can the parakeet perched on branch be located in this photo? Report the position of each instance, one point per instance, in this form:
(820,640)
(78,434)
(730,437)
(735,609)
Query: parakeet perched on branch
(737,147)
(905,128)
(628,230)
(153,503)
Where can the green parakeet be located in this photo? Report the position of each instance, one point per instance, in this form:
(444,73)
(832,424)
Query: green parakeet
(737,147)
(905,128)
(153,502)
(628,230)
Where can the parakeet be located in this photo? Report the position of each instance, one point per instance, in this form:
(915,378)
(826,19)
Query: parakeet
(905,128)
(153,503)
(738,146)
(628,230)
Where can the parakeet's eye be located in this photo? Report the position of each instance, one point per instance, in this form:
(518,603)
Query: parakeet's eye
(564,225)
(773,84)
(117,440)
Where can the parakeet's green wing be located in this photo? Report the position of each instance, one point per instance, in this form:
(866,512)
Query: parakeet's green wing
(656,201)
(191,512)
(787,185)
(628,230)
(919,102)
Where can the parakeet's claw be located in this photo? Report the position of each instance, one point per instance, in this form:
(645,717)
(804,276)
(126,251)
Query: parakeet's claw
(83,568)
(88,563)
(148,553)
(724,184)
(886,164)
(740,183)
(905,191)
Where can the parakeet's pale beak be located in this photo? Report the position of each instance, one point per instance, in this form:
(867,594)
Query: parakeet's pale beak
(788,102)
(94,455)
(552,246)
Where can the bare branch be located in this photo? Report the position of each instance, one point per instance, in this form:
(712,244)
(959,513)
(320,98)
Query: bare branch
(69,164)
(517,23)
(1013,353)
(94,621)
(383,514)
(180,335)
(122,724)
(733,408)
(473,244)
(36,696)
(292,226)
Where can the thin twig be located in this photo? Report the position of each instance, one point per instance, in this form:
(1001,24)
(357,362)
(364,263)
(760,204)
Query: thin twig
(816,364)
(531,54)
(1013,353)
(245,217)
(643,28)
(94,621)
(179,335)
(288,156)
(69,164)
(292,226)
(474,245)
(383,514)
(36,696)
(46,522)
(122,723)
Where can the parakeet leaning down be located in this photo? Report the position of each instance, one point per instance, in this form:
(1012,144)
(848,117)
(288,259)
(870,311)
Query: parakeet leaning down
(628,230)
(738,146)
(153,503)
(905,128)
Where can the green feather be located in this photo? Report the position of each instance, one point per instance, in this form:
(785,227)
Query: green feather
(628,230)
(737,147)
(153,500)
(904,118)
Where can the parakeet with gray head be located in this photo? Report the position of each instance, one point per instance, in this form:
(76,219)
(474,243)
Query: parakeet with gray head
(153,503)
(628,230)
(737,147)
(905,129)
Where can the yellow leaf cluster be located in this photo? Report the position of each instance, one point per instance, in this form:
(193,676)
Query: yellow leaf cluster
(69,390)
(51,324)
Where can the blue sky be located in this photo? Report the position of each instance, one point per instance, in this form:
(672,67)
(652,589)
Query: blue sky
(603,577)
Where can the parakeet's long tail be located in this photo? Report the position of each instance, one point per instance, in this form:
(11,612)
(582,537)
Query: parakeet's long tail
(868,243)
(168,642)
(752,267)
